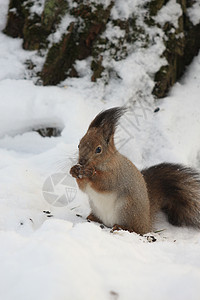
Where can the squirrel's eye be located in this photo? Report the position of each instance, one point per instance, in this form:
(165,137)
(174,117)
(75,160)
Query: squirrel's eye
(78,146)
(98,150)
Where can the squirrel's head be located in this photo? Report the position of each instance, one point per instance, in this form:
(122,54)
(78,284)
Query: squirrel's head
(98,142)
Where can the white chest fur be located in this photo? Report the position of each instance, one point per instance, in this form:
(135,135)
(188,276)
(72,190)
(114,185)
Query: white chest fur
(104,206)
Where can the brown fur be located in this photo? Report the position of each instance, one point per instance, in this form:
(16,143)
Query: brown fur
(137,196)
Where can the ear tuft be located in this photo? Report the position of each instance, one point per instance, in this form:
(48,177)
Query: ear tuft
(110,116)
(108,120)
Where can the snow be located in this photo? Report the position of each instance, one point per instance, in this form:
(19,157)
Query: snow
(194,12)
(137,69)
(61,29)
(94,3)
(37,7)
(12,56)
(125,9)
(181,126)
(65,257)
(170,12)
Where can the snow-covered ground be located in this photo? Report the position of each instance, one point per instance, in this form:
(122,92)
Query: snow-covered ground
(63,256)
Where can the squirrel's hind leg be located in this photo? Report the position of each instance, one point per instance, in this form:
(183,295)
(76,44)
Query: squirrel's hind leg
(93,218)
(117,227)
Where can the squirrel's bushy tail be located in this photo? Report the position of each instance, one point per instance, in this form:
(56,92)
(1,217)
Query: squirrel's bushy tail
(176,190)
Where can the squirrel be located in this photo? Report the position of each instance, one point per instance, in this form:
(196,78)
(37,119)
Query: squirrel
(121,196)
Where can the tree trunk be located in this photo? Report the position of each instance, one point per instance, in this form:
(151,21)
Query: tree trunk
(85,36)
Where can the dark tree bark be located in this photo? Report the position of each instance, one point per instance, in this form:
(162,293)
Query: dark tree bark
(83,38)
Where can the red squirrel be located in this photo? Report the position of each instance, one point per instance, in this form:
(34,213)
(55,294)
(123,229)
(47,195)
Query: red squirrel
(121,196)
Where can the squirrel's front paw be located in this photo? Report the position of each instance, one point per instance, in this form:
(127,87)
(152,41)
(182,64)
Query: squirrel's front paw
(76,171)
(89,172)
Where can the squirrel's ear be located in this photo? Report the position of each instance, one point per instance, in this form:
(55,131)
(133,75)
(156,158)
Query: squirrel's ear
(107,120)
(108,132)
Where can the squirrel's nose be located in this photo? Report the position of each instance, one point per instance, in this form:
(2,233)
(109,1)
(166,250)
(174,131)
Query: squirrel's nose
(82,161)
